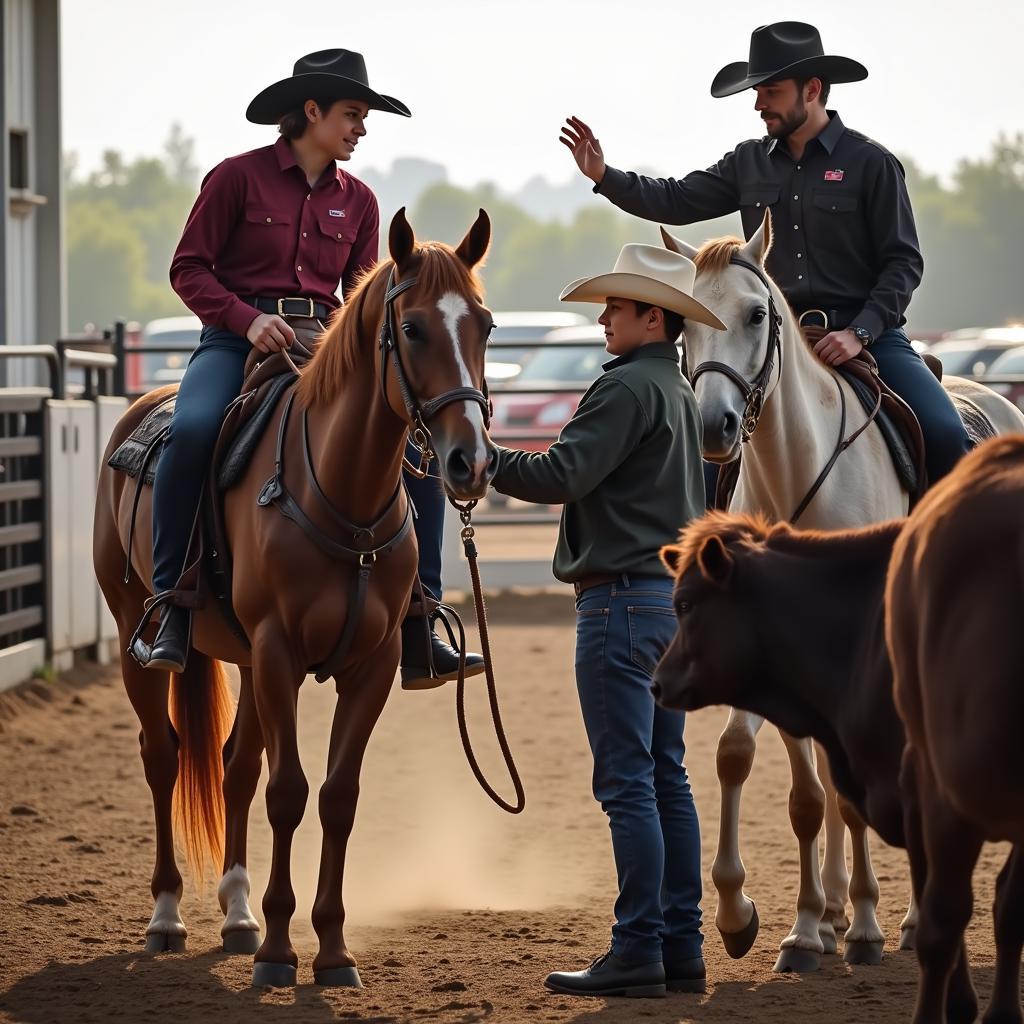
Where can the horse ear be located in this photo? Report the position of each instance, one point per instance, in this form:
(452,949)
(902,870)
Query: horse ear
(401,239)
(670,556)
(473,247)
(678,245)
(714,561)
(756,250)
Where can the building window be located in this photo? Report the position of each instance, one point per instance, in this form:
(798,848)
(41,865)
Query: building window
(19,158)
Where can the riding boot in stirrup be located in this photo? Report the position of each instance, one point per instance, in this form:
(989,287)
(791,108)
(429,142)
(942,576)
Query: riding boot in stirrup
(173,640)
(427,661)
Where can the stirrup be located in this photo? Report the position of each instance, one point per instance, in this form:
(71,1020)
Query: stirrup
(150,607)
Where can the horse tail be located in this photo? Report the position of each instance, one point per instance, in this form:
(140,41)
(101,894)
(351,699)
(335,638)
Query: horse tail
(202,710)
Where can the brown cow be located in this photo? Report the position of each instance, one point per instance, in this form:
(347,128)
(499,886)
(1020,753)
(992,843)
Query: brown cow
(788,625)
(954,604)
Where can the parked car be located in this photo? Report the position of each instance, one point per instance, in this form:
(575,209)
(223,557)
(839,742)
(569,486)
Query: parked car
(505,360)
(532,419)
(972,354)
(1010,363)
(152,370)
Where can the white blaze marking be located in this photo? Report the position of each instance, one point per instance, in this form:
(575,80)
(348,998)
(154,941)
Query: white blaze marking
(453,308)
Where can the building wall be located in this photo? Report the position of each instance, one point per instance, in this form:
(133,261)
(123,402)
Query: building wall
(31,250)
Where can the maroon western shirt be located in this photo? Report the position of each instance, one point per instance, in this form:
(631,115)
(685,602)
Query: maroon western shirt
(258,228)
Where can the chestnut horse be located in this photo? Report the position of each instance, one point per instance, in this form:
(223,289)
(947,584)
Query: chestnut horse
(405,354)
(953,626)
(760,382)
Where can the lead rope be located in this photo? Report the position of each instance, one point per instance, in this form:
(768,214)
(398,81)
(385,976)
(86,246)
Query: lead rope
(469,546)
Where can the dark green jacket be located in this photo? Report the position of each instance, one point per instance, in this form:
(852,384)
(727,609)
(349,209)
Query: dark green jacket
(626,467)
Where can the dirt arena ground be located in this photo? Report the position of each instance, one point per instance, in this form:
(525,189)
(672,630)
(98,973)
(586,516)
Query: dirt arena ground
(456,911)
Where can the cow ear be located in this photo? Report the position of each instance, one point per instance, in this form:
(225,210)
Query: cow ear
(401,239)
(715,561)
(670,556)
(473,248)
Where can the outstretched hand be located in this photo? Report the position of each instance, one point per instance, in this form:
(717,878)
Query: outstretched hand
(585,148)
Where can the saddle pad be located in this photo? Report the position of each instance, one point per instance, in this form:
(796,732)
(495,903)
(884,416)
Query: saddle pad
(242,445)
(978,426)
(130,453)
(902,458)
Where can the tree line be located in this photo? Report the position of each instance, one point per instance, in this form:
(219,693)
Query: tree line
(124,220)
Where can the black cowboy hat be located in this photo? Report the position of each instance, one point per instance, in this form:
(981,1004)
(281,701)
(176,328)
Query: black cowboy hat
(787,49)
(326,74)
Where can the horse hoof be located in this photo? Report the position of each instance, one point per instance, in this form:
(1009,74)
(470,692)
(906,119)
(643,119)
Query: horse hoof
(858,951)
(163,942)
(339,976)
(907,938)
(244,941)
(274,975)
(797,961)
(737,944)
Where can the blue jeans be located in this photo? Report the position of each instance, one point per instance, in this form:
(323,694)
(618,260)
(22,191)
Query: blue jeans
(212,380)
(945,439)
(622,629)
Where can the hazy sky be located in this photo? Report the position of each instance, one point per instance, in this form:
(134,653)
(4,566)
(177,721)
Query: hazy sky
(489,82)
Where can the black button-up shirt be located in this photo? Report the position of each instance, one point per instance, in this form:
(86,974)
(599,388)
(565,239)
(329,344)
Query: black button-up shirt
(844,234)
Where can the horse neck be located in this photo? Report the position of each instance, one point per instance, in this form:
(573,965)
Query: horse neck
(357,441)
(797,429)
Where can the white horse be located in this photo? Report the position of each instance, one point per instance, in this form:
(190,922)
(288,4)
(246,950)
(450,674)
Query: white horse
(792,428)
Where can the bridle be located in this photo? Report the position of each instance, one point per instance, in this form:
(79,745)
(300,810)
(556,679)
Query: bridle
(752,391)
(419,413)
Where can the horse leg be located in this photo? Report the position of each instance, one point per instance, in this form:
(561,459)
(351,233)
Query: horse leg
(1008,913)
(361,698)
(949,848)
(908,926)
(864,938)
(276,682)
(801,950)
(147,690)
(243,754)
(736,919)
(834,874)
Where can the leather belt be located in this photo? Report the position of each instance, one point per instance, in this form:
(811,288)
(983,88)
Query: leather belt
(838,319)
(602,579)
(291,306)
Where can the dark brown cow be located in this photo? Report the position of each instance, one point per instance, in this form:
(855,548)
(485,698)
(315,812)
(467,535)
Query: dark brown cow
(788,625)
(954,605)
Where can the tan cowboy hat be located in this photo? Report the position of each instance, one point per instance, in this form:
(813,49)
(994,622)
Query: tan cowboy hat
(647,273)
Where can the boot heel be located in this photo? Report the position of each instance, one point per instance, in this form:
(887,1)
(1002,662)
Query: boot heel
(645,992)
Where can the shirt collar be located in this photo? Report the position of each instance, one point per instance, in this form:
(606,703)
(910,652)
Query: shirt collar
(828,136)
(286,161)
(652,350)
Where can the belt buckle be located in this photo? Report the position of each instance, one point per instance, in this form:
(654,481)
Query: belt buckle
(811,312)
(296,298)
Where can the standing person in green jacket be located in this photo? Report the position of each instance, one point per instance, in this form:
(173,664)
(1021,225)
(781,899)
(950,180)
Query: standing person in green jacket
(627,469)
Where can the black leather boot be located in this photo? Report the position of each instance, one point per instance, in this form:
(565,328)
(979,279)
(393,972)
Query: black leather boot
(173,641)
(610,975)
(421,647)
(686,975)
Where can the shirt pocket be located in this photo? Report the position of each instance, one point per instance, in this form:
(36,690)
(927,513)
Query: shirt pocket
(271,220)
(834,200)
(336,241)
(757,197)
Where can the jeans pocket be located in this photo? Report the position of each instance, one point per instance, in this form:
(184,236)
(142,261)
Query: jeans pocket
(651,629)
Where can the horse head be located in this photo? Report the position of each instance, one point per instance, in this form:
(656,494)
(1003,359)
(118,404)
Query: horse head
(733,371)
(439,328)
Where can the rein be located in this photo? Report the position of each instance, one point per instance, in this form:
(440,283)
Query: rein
(419,416)
(754,391)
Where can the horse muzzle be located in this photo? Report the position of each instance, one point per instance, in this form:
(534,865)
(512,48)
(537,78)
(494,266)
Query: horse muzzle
(467,469)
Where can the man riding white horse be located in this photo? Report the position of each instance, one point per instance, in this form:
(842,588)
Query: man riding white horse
(845,241)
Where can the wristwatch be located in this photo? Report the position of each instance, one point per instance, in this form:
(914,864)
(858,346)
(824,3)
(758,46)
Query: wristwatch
(864,336)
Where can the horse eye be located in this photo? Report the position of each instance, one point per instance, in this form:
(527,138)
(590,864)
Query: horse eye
(757,317)
(682,607)
(409,330)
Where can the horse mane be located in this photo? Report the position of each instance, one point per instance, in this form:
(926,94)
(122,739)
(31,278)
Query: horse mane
(352,331)
(714,255)
(756,530)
